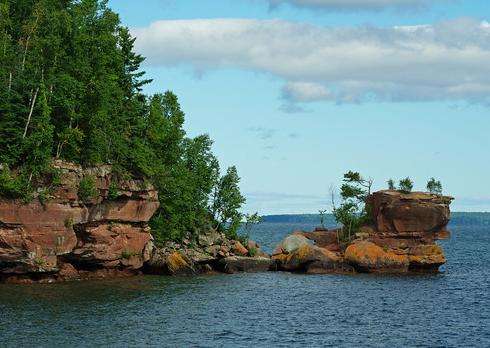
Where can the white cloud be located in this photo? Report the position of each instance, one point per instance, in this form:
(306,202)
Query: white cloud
(356,5)
(445,61)
(306,92)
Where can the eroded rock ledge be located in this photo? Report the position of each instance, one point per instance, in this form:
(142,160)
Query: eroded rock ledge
(67,237)
(400,240)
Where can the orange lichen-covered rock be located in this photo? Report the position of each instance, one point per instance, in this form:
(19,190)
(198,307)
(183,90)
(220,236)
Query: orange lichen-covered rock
(369,257)
(178,264)
(424,257)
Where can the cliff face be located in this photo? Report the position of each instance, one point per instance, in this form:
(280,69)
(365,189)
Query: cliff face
(401,239)
(64,234)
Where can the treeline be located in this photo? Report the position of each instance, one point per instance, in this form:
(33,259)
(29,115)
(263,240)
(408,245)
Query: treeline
(71,88)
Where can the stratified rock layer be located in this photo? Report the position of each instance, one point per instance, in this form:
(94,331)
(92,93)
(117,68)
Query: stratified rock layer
(108,230)
(401,239)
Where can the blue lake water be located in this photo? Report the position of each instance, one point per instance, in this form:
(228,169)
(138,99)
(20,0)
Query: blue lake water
(450,309)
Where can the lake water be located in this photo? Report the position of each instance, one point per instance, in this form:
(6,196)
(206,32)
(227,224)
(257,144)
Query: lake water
(451,309)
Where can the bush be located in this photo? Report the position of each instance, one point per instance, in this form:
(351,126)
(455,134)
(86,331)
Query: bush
(391,184)
(87,189)
(12,187)
(113,193)
(434,186)
(406,185)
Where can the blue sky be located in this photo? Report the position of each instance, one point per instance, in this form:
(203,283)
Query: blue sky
(296,95)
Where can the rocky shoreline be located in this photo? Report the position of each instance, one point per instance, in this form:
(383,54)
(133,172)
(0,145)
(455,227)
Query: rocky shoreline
(66,238)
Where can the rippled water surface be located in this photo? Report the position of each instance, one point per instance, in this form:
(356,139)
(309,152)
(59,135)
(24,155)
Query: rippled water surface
(450,309)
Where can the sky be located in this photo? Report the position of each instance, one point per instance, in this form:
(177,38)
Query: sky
(297,92)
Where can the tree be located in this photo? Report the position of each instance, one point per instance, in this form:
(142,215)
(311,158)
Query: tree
(406,185)
(434,186)
(71,88)
(391,184)
(353,212)
(322,217)
(250,221)
(227,202)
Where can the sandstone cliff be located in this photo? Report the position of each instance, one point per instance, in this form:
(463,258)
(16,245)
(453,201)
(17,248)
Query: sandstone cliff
(65,236)
(401,239)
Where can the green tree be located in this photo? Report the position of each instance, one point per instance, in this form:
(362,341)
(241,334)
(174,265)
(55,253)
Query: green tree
(353,211)
(434,186)
(406,185)
(391,184)
(227,202)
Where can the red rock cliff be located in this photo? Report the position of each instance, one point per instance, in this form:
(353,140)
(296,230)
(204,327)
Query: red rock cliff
(64,233)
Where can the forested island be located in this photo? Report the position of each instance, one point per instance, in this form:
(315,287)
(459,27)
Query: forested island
(98,179)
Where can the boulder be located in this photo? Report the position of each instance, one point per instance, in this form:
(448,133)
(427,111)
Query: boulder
(239,249)
(366,256)
(170,263)
(323,238)
(310,258)
(237,264)
(291,243)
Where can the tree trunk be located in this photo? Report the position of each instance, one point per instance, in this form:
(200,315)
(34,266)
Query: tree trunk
(10,81)
(30,112)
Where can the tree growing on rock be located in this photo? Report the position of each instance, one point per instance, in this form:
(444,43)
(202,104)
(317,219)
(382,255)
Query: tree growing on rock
(391,184)
(353,212)
(406,185)
(434,186)
(227,200)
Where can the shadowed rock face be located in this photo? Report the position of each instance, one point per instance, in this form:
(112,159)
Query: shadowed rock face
(100,232)
(401,239)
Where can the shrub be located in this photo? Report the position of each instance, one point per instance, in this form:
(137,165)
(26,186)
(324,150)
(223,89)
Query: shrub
(391,184)
(113,193)
(87,188)
(12,186)
(434,186)
(252,252)
(406,185)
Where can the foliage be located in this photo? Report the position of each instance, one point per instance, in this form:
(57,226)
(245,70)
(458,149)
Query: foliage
(434,186)
(252,252)
(113,193)
(87,189)
(71,88)
(406,185)
(226,203)
(353,212)
(11,186)
(250,221)
(391,184)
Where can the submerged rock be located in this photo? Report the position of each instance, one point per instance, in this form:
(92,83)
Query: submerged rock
(237,264)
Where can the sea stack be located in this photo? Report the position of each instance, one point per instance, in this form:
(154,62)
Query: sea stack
(400,239)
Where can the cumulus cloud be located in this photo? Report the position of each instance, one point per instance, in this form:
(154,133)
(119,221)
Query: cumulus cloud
(356,5)
(445,61)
